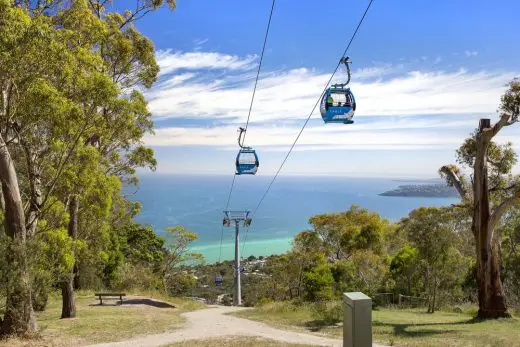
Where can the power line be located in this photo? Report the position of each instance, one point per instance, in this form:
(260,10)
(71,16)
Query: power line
(306,121)
(248,117)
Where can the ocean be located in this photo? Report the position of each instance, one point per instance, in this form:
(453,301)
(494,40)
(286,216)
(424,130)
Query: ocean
(196,202)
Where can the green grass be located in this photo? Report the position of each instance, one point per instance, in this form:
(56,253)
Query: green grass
(236,342)
(410,327)
(107,323)
(286,315)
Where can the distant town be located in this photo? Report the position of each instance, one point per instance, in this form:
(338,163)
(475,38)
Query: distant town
(423,190)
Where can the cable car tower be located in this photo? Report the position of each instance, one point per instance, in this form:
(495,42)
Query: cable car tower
(237,217)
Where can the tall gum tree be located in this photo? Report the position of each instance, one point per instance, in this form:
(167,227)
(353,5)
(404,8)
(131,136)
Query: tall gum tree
(129,60)
(493,191)
(53,81)
(50,85)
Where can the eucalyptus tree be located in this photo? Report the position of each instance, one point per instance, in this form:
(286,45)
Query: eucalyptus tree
(129,60)
(492,192)
(58,95)
(50,86)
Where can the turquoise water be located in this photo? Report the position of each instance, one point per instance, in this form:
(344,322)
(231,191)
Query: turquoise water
(196,202)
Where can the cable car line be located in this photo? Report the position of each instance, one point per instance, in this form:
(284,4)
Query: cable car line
(241,140)
(258,71)
(307,120)
(222,226)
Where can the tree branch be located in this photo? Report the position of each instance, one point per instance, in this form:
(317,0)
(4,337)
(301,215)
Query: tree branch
(499,211)
(505,120)
(453,180)
(498,189)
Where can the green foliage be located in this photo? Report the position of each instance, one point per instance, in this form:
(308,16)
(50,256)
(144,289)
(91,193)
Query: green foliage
(179,283)
(178,241)
(356,229)
(510,247)
(404,270)
(328,312)
(138,277)
(141,244)
(318,281)
(432,231)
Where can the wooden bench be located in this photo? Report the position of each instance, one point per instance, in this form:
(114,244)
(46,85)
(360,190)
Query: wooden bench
(111,296)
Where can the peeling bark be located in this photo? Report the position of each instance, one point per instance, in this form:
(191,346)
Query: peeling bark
(490,291)
(19,316)
(36,192)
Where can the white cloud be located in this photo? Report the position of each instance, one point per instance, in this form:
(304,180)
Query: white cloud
(471,53)
(382,133)
(314,138)
(410,106)
(200,42)
(396,134)
(170,61)
(291,94)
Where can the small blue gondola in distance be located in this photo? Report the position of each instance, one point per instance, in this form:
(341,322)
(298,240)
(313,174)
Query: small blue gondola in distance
(247,162)
(218,280)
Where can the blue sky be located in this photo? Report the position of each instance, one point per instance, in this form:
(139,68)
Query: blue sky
(424,72)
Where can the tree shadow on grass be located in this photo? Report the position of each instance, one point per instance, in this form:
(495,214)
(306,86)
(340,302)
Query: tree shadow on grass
(319,324)
(402,329)
(147,302)
(398,329)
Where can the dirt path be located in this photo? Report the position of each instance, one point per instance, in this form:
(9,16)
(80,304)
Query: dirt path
(214,323)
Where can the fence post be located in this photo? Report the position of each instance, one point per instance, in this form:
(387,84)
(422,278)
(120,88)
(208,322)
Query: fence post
(357,320)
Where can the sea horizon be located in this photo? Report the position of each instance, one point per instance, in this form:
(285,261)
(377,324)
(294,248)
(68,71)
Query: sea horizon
(196,202)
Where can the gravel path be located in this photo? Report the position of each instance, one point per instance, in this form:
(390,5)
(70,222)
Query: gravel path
(214,323)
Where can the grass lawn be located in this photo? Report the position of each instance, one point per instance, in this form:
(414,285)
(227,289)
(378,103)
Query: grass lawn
(107,323)
(236,342)
(401,327)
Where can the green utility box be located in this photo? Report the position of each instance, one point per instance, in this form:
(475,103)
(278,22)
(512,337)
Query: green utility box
(357,320)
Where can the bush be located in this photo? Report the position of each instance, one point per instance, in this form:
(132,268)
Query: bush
(263,301)
(179,284)
(138,277)
(227,300)
(328,312)
(318,283)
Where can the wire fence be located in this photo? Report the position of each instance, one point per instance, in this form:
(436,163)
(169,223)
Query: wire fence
(399,300)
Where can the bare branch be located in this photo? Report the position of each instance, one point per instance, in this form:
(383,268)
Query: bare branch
(498,189)
(505,120)
(451,174)
(500,210)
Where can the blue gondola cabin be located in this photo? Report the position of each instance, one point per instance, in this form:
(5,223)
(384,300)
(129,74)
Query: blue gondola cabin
(247,162)
(338,105)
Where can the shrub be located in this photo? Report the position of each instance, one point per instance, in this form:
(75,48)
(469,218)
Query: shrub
(328,312)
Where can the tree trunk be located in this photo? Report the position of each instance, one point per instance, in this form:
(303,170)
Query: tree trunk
(75,271)
(35,183)
(434,295)
(34,210)
(409,284)
(68,308)
(19,316)
(490,292)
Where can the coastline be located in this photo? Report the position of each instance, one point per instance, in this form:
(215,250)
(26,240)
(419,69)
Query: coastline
(254,247)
